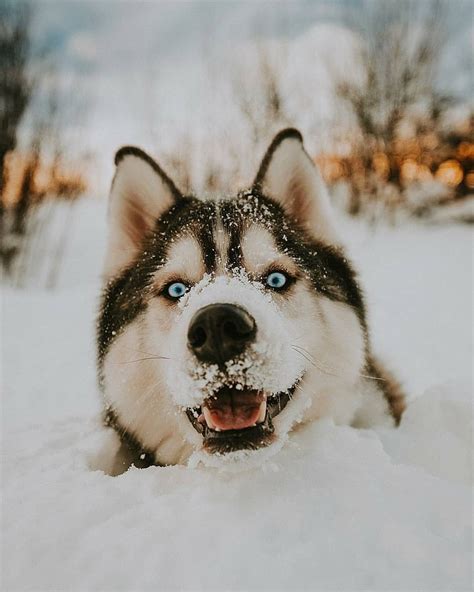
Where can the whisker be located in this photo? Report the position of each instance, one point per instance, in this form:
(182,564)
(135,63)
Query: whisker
(330,371)
(324,371)
(141,351)
(303,355)
(299,347)
(148,358)
(307,356)
(373,377)
(299,336)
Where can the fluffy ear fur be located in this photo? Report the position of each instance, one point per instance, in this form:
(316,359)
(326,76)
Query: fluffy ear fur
(141,192)
(288,176)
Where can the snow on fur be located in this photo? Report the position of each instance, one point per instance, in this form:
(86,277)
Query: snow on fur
(272,365)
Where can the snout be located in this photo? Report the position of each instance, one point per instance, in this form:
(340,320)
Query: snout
(219,332)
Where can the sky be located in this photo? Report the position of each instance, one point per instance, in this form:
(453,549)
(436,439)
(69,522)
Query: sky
(147,72)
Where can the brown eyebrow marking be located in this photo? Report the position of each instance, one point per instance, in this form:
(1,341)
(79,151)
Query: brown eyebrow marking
(184,262)
(262,255)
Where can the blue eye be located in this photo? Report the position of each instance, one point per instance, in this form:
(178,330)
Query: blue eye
(176,290)
(276,280)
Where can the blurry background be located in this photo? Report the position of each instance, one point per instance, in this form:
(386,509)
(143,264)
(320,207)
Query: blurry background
(382,91)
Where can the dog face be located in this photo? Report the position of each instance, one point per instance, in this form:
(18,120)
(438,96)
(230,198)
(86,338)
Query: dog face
(224,322)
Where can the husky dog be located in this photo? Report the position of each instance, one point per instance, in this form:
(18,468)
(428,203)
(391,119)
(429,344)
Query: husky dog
(226,322)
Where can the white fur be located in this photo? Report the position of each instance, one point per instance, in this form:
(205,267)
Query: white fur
(184,261)
(150,375)
(259,249)
(298,338)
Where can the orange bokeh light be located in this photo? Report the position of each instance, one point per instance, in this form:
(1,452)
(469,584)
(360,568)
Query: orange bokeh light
(450,173)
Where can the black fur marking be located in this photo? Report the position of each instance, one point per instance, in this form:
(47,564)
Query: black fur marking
(325,266)
(139,153)
(142,457)
(205,236)
(125,296)
(277,140)
(253,438)
(390,387)
(232,222)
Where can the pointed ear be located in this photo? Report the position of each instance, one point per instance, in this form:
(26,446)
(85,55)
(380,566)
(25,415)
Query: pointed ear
(288,176)
(141,192)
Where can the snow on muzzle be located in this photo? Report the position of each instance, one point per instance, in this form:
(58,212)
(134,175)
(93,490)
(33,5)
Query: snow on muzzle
(232,366)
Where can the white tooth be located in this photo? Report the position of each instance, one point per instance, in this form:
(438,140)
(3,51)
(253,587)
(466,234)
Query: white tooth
(208,418)
(262,412)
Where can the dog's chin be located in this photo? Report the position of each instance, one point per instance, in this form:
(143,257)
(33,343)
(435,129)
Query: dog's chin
(235,418)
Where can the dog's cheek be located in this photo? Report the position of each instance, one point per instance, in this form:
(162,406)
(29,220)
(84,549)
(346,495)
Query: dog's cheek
(332,381)
(165,332)
(328,332)
(161,315)
(159,328)
(123,359)
(344,343)
(135,386)
(129,374)
(305,317)
(165,335)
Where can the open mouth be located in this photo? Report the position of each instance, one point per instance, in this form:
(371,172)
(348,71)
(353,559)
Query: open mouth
(238,419)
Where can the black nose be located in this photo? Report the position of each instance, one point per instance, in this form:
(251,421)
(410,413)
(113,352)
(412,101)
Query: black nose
(219,332)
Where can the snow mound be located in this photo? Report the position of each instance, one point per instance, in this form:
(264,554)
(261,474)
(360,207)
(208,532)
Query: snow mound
(338,508)
(436,433)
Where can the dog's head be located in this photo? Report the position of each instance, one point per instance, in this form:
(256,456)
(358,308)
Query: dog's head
(225,321)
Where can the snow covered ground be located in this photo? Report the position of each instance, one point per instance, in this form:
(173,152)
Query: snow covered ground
(337,509)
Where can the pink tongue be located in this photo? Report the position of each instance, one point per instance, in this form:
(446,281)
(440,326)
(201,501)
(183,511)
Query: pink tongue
(228,417)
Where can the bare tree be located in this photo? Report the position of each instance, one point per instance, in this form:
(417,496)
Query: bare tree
(37,221)
(396,67)
(15,87)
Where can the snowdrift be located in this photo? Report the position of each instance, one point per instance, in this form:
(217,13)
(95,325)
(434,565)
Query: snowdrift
(336,509)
